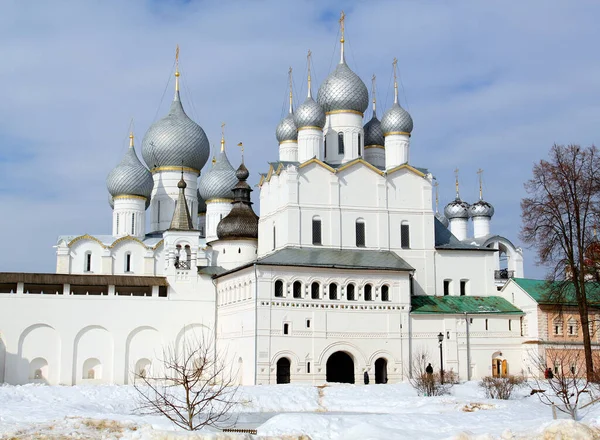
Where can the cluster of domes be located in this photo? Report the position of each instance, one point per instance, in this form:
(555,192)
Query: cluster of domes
(175,141)
(129,177)
(217,182)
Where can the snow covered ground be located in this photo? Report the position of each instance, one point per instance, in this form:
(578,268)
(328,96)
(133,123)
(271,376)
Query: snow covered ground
(334,412)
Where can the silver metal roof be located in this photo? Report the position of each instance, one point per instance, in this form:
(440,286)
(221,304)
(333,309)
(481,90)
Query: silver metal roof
(343,90)
(456,209)
(130,177)
(373,132)
(175,140)
(181,221)
(218,181)
(396,119)
(481,209)
(286,130)
(309,114)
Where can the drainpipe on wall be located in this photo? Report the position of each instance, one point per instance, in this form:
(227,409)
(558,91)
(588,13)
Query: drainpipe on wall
(468,348)
(255,325)
(409,342)
(214,281)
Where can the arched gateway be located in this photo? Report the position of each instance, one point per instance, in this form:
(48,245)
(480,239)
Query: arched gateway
(340,368)
(283,370)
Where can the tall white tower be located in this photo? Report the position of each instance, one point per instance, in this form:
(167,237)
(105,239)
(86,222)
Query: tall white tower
(309,118)
(172,144)
(130,186)
(344,98)
(481,212)
(397,125)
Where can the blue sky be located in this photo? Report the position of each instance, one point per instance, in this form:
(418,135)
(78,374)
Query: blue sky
(489,85)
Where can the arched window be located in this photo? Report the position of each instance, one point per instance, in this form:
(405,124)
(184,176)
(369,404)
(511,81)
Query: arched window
(350,288)
(447,287)
(333,291)
(314,290)
(385,292)
(463,287)
(405,235)
(188,256)
(132,223)
(340,143)
(368,292)
(359,145)
(158,211)
(360,233)
(279,289)
(297,289)
(128,262)
(87,262)
(316,231)
(325,148)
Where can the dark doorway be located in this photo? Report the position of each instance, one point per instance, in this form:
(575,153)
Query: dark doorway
(283,370)
(340,368)
(381,371)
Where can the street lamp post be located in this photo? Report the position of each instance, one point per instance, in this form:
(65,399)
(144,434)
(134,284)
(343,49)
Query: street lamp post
(440,340)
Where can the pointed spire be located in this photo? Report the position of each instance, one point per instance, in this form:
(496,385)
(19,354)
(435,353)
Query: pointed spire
(177,69)
(373,94)
(437,197)
(308,57)
(182,221)
(291,96)
(222,138)
(395,64)
(342,29)
(241,145)
(456,176)
(131,139)
(480,173)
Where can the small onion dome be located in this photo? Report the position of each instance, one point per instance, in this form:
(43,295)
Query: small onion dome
(373,132)
(216,183)
(201,203)
(396,119)
(176,141)
(286,130)
(343,90)
(443,220)
(481,209)
(241,222)
(309,114)
(130,177)
(456,209)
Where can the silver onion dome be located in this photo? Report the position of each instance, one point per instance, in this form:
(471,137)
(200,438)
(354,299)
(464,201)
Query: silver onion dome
(309,114)
(373,132)
(396,119)
(130,177)
(442,218)
(456,209)
(217,182)
(175,140)
(343,90)
(481,209)
(286,130)
(201,203)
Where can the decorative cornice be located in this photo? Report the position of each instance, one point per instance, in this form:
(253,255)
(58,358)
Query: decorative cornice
(407,167)
(363,162)
(374,146)
(288,142)
(391,133)
(310,127)
(318,162)
(114,243)
(219,201)
(178,169)
(126,238)
(335,112)
(86,237)
(129,196)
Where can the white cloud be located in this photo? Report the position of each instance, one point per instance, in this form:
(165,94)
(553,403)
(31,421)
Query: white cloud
(489,85)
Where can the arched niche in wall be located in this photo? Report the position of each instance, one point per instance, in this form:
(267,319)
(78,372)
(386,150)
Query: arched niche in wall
(93,342)
(39,341)
(142,343)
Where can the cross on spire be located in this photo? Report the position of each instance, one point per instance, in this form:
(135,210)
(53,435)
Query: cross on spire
(222,136)
(373,94)
(342,31)
(395,65)
(291,86)
(480,173)
(456,176)
(241,145)
(177,68)
(308,57)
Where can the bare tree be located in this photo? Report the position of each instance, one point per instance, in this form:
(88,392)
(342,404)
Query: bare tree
(565,391)
(194,388)
(501,387)
(428,383)
(559,217)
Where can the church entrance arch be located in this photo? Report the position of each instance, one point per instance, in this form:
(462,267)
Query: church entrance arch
(340,368)
(283,370)
(381,371)
(499,365)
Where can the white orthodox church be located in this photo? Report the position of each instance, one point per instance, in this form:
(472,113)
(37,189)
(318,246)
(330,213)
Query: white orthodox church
(349,269)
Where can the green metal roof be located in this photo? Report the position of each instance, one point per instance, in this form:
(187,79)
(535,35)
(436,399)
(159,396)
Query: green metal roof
(424,304)
(336,259)
(557,292)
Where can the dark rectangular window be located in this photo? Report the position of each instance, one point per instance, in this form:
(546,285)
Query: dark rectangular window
(446,287)
(314,290)
(286,329)
(359,146)
(308,367)
(368,292)
(325,148)
(360,234)
(88,262)
(405,236)
(316,231)
(297,288)
(463,287)
(162,291)
(385,293)
(510,325)
(132,224)
(10,288)
(333,291)
(279,289)
(340,143)
(127,262)
(308,323)
(486,324)
(350,292)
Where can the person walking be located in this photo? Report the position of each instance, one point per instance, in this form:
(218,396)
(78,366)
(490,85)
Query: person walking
(429,369)
(366,377)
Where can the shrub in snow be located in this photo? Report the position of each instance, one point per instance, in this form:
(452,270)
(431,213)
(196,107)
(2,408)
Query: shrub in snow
(429,383)
(501,387)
